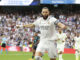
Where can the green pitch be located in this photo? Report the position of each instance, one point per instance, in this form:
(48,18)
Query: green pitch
(27,56)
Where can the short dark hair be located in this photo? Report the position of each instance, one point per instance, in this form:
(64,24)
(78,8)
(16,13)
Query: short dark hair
(45,8)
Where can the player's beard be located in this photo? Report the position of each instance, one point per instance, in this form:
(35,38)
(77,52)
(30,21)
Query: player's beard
(45,17)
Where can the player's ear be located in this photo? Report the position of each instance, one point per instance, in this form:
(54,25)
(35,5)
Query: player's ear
(49,12)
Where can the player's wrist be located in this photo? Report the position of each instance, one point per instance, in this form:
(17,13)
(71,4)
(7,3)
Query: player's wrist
(19,26)
(23,25)
(68,28)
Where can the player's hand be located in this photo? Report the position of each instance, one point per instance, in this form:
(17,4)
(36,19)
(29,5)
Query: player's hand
(18,26)
(68,28)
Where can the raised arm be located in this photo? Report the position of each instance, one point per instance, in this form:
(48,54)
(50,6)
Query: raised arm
(61,25)
(36,23)
(28,26)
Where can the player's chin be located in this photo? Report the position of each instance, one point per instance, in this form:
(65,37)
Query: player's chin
(45,17)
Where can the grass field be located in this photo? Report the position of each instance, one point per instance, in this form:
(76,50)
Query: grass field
(27,56)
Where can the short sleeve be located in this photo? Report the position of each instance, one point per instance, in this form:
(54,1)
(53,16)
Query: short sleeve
(36,23)
(56,21)
(53,19)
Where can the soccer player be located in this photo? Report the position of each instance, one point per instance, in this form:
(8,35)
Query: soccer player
(35,43)
(48,35)
(77,45)
(3,44)
(60,43)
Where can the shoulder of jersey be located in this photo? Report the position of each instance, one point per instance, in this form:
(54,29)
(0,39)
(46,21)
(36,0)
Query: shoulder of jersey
(39,18)
(52,18)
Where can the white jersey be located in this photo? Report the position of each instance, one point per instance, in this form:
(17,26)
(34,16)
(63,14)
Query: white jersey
(60,43)
(77,40)
(61,37)
(47,28)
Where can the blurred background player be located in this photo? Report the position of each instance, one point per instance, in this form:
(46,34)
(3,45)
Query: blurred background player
(35,42)
(77,45)
(61,43)
(3,44)
(48,35)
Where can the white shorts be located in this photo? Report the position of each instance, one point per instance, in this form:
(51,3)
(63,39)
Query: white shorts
(60,47)
(49,46)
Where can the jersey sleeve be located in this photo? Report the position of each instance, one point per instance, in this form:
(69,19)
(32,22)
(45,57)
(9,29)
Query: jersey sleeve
(53,20)
(37,22)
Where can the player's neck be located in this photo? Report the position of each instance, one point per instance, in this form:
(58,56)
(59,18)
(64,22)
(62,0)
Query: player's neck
(44,18)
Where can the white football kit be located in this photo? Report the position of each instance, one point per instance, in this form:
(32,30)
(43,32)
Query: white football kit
(61,42)
(77,43)
(48,36)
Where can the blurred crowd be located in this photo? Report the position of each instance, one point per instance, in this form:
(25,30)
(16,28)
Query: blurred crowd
(24,36)
(16,36)
(73,22)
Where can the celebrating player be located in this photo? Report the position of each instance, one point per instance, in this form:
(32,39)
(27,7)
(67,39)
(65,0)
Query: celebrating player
(60,43)
(48,35)
(77,45)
